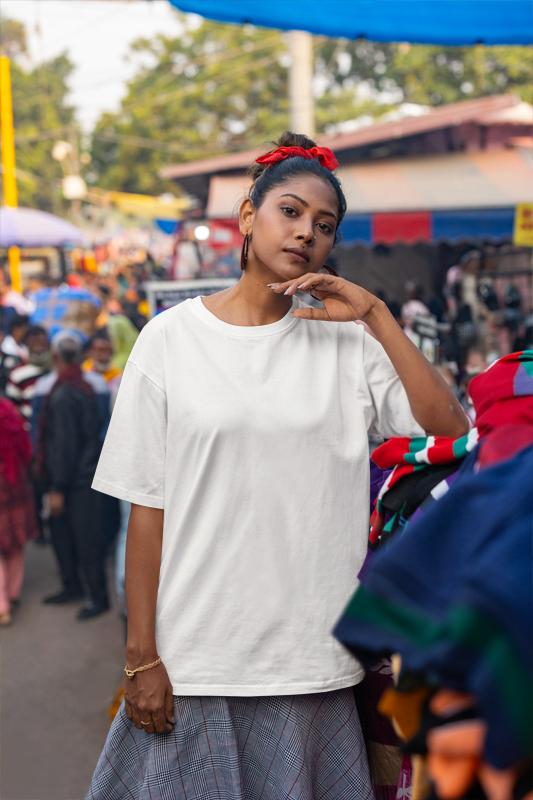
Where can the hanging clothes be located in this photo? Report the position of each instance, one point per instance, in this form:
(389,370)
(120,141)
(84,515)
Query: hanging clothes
(456,601)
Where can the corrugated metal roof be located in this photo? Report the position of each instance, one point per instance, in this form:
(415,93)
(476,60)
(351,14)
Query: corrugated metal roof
(482,179)
(483,111)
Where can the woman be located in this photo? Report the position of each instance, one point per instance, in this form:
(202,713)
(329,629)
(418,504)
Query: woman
(18,521)
(240,438)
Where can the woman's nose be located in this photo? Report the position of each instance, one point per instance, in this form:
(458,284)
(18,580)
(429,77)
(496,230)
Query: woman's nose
(305,236)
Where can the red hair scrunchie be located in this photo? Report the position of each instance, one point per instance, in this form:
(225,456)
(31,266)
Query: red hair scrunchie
(324,155)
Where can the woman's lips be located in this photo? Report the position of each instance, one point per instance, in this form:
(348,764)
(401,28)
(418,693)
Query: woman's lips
(298,254)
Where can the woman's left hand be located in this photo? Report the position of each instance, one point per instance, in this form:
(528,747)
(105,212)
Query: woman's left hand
(343,300)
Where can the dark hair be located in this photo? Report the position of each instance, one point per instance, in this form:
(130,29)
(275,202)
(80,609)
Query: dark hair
(17,321)
(100,335)
(36,330)
(267,176)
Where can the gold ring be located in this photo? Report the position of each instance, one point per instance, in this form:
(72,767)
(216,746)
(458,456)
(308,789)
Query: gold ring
(146,723)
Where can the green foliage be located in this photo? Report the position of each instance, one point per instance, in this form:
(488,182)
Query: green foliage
(426,74)
(12,37)
(215,89)
(39,106)
(219,88)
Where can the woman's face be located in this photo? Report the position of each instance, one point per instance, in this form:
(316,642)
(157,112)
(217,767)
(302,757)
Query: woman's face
(293,231)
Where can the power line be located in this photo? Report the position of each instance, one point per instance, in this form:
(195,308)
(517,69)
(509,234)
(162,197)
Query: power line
(138,141)
(219,56)
(43,135)
(200,61)
(132,141)
(227,76)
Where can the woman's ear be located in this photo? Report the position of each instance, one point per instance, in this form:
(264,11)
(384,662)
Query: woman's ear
(246,216)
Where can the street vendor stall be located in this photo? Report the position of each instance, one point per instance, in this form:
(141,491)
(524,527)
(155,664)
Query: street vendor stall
(41,239)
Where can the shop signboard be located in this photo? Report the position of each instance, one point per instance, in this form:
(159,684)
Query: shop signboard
(165,294)
(523,225)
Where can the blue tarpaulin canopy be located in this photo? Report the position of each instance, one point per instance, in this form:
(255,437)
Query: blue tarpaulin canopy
(448,22)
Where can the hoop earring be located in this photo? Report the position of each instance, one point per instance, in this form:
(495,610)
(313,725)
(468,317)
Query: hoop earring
(330,270)
(244,251)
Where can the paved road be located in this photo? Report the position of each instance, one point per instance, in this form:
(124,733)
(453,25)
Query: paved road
(57,679)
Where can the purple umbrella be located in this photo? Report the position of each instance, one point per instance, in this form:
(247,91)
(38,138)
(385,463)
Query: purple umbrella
(28,227)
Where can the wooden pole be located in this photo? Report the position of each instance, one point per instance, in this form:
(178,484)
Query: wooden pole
(301,83)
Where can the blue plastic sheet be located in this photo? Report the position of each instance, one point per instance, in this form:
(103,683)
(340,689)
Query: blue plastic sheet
(56,308)
(483,224)
(448,22)
(487,224)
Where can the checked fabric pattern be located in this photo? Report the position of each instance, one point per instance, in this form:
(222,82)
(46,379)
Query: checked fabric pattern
(298,747)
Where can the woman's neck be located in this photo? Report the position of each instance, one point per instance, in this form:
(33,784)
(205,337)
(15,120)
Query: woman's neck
(249,303)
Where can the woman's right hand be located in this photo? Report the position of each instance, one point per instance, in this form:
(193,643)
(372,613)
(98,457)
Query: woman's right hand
(148,698)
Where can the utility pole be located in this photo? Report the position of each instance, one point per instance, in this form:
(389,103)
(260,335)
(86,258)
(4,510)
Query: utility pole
(301,83)
(75,168)
(7,134)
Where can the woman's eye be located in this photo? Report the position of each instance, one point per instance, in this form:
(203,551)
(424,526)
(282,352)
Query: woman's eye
(288,210)
(324,227)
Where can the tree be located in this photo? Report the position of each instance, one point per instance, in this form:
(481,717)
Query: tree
(39,106)
(425,74)
(219,88)
(214,89)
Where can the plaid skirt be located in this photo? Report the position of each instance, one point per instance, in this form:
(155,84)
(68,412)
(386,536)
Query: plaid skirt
(297,747)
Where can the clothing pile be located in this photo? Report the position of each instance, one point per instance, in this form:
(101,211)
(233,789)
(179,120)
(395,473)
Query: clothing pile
(449,590)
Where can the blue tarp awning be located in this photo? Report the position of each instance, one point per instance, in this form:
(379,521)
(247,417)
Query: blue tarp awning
(447,22)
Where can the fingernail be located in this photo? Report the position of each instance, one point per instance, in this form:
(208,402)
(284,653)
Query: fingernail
(287,291)
(272,285)
(301,286)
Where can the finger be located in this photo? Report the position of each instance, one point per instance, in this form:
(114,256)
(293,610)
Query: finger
(169,707)
(311,313)
(160,723)
(150,727)
(316,282)
(145,715)
(136,718)
(293,284)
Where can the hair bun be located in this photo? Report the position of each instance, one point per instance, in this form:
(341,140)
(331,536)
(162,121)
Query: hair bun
(287,139)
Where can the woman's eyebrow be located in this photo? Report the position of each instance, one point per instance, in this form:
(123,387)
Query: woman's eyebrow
(306,204)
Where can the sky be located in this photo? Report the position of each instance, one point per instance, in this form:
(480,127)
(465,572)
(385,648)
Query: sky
(96,36)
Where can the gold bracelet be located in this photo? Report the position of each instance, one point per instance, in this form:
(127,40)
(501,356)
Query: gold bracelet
(131,672)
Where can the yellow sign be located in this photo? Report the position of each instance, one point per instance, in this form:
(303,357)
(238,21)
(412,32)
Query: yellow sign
(523,225)
(142,205)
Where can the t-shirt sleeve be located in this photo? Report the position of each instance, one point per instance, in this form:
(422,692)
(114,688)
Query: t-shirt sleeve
(132,463)
(387,409)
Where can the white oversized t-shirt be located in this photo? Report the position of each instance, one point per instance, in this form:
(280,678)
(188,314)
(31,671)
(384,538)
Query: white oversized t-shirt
(254,442)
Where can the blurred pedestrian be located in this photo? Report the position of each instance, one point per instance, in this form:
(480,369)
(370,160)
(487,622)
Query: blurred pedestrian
(123,335)
(13,343)
(99,360)
(412,308)
(20,387)
(68,451)
(45,384)
(7,363)
(18,522)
